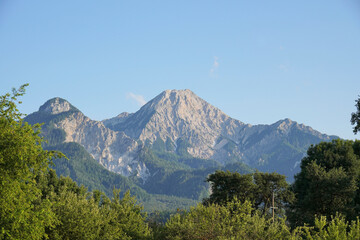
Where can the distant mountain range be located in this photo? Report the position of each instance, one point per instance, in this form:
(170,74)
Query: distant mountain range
(176,139)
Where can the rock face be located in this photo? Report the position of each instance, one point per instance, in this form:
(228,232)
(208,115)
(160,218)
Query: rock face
(114,150)
(211,134)
(56,106)
(181,115)
(116,120)
(279,146)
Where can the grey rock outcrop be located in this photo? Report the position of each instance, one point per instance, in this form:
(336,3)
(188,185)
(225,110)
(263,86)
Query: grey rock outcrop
(177,115)
(114,150)
(116,120)
(56,106)
(279,146)
(180,114)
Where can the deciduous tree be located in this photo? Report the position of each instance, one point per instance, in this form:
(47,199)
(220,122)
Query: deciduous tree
(267,185)
(232,220)
(227,185)
(257,188)
(23,213)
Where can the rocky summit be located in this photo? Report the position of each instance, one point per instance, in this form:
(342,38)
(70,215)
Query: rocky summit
(180,117)
(181,114)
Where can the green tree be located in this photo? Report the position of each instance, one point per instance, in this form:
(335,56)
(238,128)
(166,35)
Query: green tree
(124,218)
(227,185)
(257,188)
(337,228)
(79,217)
(327,183)
(233,220)
(84,215)
(355,117)
(23,213)
(267,185)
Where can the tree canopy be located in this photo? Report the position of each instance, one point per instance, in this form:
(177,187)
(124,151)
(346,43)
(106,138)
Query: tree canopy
(355,117)
(328,182)
(258,188)
(22,214)
(233,220)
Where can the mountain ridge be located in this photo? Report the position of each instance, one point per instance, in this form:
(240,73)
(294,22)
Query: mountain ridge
(204,131)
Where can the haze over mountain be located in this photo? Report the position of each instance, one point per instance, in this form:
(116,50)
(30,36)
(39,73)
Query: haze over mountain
(178,120)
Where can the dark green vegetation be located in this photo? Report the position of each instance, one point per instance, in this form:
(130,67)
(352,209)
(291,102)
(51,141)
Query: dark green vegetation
(37,204)
(176,174)
(83,169)
(355,117)
(258,188)
(328,182)
(324,197)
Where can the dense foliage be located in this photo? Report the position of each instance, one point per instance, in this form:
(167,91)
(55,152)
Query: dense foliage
(328,182)
(84,215)
(355,117)
(258,188)
(236,220)
(177,174)
(23,215)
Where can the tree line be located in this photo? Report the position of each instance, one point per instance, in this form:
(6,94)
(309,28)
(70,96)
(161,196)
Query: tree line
(322,203)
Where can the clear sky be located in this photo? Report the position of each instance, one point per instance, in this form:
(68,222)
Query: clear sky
(258,61)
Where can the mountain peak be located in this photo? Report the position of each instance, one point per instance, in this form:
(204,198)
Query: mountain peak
(175,114)
(178,102)
(173,97)
(182,92)
(56,105)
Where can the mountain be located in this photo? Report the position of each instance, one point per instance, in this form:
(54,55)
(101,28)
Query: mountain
(211,134)
(81,165)
(174,115)
(174,141)
(114,150)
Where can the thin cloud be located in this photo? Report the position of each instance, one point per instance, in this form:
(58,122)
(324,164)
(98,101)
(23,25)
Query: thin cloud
(283,67)
(215,65)
(140,100)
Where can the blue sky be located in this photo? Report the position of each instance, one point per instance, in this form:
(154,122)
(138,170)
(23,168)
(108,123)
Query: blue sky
(258,61)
